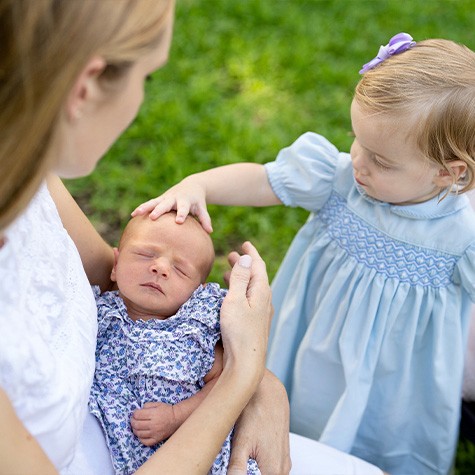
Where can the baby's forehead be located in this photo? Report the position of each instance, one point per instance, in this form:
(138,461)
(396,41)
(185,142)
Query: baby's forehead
(190,233)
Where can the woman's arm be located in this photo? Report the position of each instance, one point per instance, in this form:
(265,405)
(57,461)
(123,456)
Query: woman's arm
(262,430)
(19,451)
(96,255)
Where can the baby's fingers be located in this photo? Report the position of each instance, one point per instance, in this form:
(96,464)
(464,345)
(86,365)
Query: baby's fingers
(139,426)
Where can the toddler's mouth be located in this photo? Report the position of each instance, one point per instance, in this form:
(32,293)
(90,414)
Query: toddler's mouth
(360,182)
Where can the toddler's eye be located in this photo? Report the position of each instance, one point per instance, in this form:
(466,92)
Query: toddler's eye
(374,158)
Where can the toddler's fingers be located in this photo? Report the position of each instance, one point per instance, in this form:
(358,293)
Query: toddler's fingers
(146,207)
(182,210)
(163,206)
(205,219)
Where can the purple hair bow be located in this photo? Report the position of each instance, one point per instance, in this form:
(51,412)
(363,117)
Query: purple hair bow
(397,44)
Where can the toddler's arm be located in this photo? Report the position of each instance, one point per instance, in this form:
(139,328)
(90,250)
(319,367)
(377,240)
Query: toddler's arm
(240,184)
(157,421)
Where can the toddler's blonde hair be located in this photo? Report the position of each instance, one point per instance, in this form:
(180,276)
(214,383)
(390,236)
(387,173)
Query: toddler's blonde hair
(433,86)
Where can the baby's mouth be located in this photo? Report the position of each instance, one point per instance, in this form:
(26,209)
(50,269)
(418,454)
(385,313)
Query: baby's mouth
(153,285)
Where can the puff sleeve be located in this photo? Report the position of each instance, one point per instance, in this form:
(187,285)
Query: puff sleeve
(303,173)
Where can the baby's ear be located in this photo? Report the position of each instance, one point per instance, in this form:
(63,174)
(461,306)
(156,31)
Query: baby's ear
(444,178)
(116,258)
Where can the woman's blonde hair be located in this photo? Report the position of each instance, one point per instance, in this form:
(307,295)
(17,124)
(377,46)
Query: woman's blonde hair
(44,46)
(433,86)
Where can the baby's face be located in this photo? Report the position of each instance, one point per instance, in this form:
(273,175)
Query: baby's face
(160,264)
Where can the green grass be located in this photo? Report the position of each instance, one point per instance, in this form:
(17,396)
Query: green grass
(245,78)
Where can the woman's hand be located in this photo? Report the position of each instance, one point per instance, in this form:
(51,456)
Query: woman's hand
(262,431)
(246,311)
(186,197)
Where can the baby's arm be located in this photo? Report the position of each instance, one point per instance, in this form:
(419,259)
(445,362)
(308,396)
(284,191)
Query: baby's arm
(157,421)
(240,184)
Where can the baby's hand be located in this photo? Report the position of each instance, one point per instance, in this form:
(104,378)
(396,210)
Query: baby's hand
(153,423)
(186,197)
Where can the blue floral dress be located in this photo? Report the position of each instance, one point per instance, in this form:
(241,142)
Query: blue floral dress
(149,361)
(371,311)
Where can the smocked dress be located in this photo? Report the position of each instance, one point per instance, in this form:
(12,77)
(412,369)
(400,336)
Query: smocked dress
(152,361)
(371,311)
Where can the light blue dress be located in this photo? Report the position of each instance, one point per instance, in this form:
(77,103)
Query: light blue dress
(371,313)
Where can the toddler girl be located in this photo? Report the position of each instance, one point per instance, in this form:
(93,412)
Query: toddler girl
(373,297)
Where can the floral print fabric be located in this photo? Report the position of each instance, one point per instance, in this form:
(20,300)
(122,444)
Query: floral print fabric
(152,361)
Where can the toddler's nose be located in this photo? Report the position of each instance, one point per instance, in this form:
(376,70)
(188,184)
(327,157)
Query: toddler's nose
(362,170)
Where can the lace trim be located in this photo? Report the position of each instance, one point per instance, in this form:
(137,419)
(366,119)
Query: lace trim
(390,257)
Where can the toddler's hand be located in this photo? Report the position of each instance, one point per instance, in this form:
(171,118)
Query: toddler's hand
(186,197)
(153,423)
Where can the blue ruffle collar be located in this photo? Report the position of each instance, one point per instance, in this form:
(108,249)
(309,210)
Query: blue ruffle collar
(427,210)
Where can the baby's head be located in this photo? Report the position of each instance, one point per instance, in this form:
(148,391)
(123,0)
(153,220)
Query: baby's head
(159,264)
(426,95)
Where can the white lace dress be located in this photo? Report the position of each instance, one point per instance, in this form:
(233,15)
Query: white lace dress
(47,331)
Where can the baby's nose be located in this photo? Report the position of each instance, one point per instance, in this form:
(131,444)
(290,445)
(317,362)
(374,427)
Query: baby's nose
(161,266)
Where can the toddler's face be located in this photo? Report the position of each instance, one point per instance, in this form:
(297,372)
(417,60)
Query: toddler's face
(160,264)
(387,163)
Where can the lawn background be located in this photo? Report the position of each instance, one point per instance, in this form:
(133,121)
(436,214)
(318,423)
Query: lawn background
(246,78)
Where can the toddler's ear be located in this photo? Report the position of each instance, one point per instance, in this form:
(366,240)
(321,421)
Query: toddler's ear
(444,178)
(116,258)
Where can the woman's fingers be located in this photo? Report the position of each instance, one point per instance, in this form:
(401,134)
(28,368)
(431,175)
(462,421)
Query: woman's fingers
(246,310)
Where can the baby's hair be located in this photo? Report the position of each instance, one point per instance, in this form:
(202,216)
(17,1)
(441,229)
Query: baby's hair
(431,85)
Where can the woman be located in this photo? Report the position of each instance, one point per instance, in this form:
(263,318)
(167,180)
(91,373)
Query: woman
(71,80)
